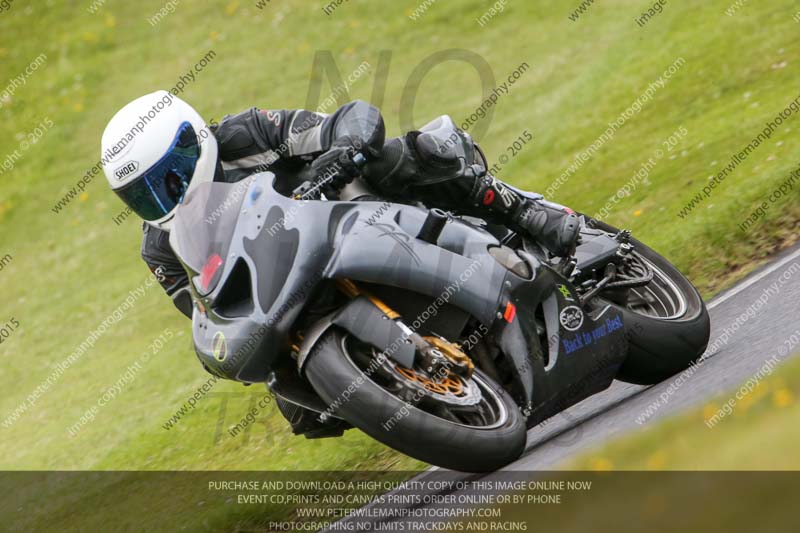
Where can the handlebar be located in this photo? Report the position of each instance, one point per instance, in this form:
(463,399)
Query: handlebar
(312,189)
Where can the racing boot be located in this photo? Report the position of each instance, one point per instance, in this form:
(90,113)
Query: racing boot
(556,228)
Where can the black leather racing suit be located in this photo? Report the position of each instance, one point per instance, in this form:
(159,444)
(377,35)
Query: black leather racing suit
(285,141)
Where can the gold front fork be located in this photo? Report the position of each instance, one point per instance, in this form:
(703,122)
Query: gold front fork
(352,290)
(450,350)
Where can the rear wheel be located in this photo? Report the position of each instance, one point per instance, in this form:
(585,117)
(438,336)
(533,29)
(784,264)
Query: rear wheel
(468,424)
(666,320)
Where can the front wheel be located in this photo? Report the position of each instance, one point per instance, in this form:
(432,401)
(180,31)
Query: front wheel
(467,424)
(666,321)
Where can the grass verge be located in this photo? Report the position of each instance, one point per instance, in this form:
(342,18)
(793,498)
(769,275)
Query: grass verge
(758,431)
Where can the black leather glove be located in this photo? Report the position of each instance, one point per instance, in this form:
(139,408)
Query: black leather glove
(354,143)
(335,168)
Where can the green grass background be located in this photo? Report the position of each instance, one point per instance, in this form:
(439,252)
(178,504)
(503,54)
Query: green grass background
(70,270)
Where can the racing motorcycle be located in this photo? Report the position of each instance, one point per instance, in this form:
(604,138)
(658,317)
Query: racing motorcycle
(444,337)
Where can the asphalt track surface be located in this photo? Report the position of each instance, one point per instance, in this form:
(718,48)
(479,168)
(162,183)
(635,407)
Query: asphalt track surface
(740,344)
(738,356)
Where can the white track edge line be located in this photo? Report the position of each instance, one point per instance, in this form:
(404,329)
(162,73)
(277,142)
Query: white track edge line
(751,281)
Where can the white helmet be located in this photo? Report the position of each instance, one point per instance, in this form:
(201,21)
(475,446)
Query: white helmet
(153,150)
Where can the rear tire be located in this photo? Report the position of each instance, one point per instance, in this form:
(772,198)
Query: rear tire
(662,347)
(417,433)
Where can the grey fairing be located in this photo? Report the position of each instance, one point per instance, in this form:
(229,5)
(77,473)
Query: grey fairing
(579,362)
(385,250)
(289,246)
(367,323)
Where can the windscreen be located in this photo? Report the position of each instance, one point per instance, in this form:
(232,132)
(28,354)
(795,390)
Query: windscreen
(203,227)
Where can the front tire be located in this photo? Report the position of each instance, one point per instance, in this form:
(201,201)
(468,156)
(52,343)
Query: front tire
(668,338)
(333,372)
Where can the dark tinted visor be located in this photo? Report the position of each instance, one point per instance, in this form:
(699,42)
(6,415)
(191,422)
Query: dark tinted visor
(156,192)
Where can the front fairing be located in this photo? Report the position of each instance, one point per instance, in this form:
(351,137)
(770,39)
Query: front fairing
(268,264)
(254,257)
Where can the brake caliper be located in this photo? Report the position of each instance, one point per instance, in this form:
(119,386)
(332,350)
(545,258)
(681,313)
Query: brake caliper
(457,360)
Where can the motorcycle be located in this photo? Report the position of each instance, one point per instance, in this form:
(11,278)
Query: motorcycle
(444,337)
